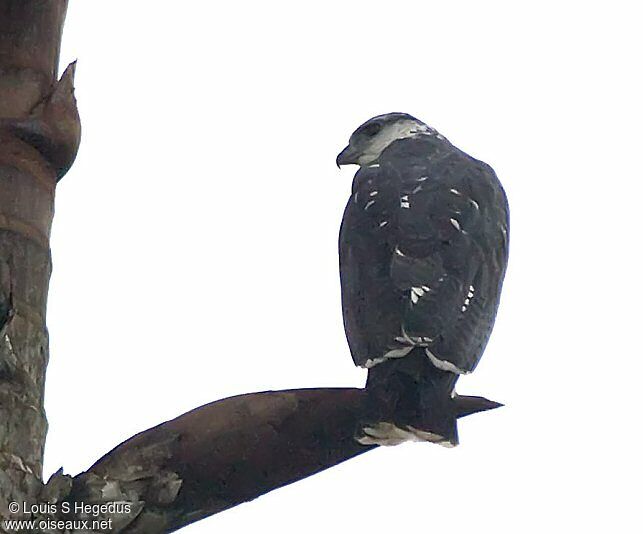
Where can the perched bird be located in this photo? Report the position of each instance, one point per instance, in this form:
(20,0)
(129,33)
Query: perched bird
(423,252)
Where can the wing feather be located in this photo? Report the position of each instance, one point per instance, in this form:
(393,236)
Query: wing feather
(449,250)
(423,250)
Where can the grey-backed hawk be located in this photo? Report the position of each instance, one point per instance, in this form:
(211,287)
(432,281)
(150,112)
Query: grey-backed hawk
(423,253)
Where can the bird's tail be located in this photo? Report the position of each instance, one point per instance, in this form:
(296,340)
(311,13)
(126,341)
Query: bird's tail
(409,399)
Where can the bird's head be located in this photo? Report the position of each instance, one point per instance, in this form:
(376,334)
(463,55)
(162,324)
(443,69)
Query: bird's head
(369,140)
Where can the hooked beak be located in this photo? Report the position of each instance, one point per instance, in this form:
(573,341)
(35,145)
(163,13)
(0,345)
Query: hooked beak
(348,156)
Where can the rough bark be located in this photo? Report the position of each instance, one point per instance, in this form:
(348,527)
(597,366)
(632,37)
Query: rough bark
(39,135)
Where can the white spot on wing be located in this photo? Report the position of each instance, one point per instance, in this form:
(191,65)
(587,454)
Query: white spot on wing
(393,353)
(383,223)
(474,204)
(445,365)
(372,193)
(412,340)
(397,353)
(455,191)
(369,204)
(373,362)
(455,224)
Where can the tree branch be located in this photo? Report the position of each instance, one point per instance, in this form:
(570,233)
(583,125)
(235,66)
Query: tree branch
(217,456)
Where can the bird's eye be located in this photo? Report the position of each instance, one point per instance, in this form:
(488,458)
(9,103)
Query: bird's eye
(372,129)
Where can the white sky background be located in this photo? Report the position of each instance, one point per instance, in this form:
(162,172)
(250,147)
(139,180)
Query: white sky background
(195,255)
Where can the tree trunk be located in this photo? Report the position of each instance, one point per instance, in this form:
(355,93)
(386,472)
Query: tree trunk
(203,462)
(39,134)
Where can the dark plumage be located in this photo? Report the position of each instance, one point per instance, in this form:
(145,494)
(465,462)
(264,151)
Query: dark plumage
(423,253)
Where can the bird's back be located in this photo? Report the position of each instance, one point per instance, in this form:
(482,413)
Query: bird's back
(423,252)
